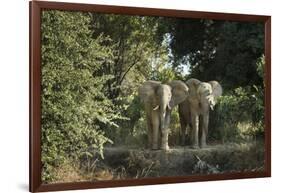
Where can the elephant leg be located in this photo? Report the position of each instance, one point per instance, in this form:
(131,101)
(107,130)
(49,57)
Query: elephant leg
(155,129)
(188,139)
(165,132)
(184,115)
(195,129)
(183,131)
(149,129)
(205,123)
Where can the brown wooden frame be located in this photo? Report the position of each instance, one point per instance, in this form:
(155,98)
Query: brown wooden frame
(36,7)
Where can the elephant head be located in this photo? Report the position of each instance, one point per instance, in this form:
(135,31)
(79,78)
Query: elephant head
(206,93)
(160,99)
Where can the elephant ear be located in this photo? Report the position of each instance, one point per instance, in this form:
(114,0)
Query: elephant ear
(179,92)
(217,89)
(147,92)
(193,85)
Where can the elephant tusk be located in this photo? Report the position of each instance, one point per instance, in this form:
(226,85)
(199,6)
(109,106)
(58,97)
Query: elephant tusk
(169,107)
(155,108)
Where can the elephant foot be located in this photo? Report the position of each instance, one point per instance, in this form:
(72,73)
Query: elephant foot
(203,145)
(165,147)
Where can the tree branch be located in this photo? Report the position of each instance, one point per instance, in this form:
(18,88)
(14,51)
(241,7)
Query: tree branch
(131,66)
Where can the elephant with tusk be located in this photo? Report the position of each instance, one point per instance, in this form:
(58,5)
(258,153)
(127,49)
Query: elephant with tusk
(159,100)
(202,97)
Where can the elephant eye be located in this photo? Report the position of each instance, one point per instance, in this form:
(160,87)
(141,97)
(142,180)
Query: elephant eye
(169,95)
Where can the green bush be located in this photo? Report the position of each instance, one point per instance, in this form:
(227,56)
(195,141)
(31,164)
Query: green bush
(238,115)
(73,103)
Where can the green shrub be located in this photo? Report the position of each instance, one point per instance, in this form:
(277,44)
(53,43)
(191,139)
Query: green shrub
(238,115)
(73,103)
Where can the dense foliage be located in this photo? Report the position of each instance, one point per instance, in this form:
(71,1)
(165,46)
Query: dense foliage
(73,104)
(231,53)
(92,65)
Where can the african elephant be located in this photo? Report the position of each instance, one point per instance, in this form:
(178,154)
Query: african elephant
(202,97)
(159,100)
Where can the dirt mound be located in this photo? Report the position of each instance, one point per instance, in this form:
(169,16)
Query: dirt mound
(125,162)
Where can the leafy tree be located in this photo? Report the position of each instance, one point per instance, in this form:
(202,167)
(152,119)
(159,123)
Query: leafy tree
(133,40)
(73,103)
(225,51)
(136,54)
(240,112)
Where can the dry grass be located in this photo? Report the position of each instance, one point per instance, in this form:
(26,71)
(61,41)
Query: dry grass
(68,172)
(71,172)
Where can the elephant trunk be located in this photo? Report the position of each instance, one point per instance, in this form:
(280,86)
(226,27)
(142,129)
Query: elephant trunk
(163,107)
(164,122)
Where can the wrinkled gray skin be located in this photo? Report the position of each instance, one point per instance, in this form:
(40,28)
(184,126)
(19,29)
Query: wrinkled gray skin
(202,97)
(159,100)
